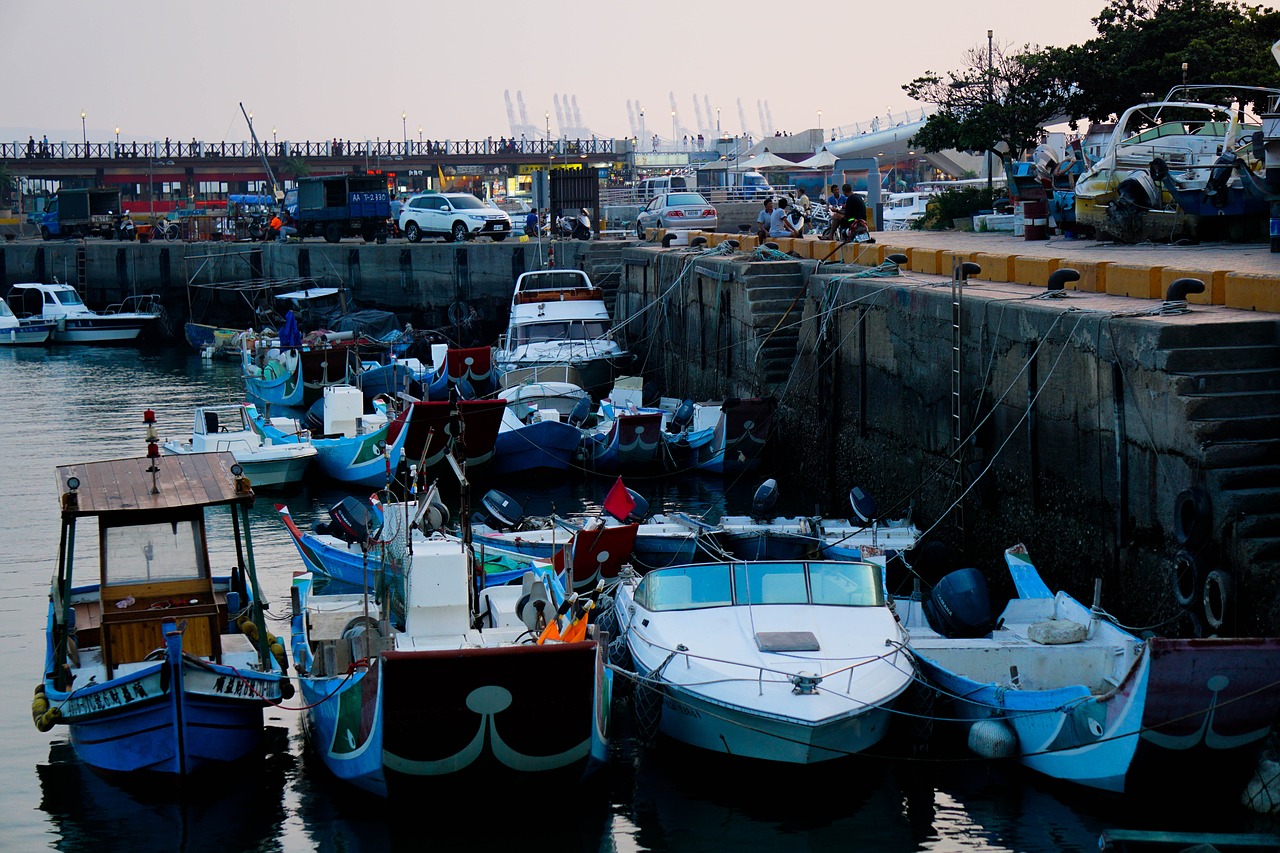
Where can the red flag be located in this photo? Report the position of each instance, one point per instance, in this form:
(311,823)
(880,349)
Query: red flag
(619,502)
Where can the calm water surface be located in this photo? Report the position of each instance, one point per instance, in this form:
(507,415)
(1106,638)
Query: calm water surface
(73,404)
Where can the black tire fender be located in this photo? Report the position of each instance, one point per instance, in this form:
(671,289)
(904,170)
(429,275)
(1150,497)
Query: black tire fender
(1186,579)
(1217,598)
(1192,517)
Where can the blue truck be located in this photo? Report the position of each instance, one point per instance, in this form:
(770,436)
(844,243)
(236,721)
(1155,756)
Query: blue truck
(337,206)
(88,212)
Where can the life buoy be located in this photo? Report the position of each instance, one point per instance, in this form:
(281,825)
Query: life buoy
(1192,517)
(1186,579)
(1217,598)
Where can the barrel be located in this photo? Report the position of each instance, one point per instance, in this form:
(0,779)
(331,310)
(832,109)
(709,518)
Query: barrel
(1037,214)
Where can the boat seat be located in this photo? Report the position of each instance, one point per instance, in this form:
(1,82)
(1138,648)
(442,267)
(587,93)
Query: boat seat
(210,422)
(532,592)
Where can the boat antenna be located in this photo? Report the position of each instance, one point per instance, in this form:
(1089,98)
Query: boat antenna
(261,149)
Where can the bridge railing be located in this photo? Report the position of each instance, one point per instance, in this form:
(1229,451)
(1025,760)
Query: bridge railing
(169,149)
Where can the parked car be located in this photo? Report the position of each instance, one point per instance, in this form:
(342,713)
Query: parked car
(649,187)
(681,211)
(453,216)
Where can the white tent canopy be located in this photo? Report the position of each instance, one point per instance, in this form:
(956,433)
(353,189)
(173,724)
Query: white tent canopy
(763,162)
(824,160)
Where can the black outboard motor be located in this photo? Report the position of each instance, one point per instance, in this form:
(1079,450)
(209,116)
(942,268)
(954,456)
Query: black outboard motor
(581,411)
(765,497)
(1216,186)
(314,418)
(502,510)
(682,417)
(959,606)
(349,521)
(864,506)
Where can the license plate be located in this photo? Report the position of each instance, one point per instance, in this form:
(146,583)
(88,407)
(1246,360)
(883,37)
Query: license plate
(499,228)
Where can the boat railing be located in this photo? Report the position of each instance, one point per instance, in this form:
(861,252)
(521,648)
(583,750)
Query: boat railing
(148,303)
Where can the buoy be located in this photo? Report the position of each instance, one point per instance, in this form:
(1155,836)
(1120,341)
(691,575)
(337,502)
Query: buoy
(993,738)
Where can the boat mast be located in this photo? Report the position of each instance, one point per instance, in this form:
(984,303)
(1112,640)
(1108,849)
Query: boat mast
(275,189)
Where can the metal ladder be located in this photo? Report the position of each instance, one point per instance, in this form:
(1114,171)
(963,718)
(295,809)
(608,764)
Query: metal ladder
(82,264)
(958,276)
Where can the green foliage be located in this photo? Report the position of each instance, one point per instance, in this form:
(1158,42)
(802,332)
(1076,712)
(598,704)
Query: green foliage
(958,203)
(8,182)
(296,167)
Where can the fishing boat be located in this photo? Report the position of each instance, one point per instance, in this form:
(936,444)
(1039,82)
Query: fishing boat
(624,440)
(1067,692)
(558,322)
(346,550)
(789,662)
(428,428)
(15,332)
(158,665)
(759,537)
(1172,167)
(440,683)
(75,322)
(538,442)
(230,428)
(352,447)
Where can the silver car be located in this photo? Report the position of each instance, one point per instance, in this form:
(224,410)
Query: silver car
(677,211)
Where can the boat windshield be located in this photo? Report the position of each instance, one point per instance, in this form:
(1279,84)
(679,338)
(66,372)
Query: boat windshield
(5,310)
(149,553)
(567,330)
(68,297)
(724,584)
(550,280)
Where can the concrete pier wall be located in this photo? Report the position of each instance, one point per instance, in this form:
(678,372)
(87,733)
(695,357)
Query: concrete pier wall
(1081,420)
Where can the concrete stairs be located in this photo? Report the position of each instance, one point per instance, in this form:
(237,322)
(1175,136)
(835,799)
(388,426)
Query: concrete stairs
(604,265)
(1231,397)
(775,299)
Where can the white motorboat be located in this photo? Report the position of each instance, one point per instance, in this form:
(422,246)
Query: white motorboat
(902,210)
(15,332)
(794,662)
(559,321)
(230,428)
(75,322)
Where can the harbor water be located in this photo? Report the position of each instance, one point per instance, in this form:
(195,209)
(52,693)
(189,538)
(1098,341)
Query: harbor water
(68,404)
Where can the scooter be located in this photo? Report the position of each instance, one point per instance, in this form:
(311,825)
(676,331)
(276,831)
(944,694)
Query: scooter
(576,226)
(125,229)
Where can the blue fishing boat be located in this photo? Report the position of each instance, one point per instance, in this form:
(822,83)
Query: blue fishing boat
(158,666)
(356,448)
(541,443)
(440,682)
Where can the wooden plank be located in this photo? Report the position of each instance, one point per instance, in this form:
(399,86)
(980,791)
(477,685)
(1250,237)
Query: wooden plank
(125,484)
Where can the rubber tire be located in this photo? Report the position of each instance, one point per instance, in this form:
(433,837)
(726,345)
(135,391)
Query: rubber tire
(412,232)
(639,230)
(1192,518)
(498,238)
(1217,598)
(1186,579)
(459,232)
(44,233)
(332,233)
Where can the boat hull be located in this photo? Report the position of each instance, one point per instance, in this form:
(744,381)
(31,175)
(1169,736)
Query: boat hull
(542,446)
(493,714)
(99,330)
(26,335)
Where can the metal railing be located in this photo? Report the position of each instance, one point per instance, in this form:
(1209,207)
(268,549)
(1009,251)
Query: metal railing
(633,196)
(40,150)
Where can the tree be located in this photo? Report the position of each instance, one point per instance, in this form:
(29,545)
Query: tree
(296,167)
(998,108)
(1142,44)
(8,182)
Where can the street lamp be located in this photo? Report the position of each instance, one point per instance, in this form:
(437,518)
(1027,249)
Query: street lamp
(419,136)
(990,98)
(673,130)
(404,130)
(84,134)
(717,121)
(273,136)
(1184,73)
(819,124)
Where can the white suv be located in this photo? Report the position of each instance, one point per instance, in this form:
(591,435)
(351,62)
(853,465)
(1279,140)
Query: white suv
(454,216)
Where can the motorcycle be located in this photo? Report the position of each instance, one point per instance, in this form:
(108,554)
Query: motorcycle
(577,226)
(125,229)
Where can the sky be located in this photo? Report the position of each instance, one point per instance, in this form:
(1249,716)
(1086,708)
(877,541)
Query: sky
(323,69)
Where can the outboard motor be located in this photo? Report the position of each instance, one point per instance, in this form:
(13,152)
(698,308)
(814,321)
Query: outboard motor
(959,606)
(1216,187)
(465,389)
(581,411)
(501,509)
(314,418)
(864,506)
(765,497)
(682,417)
(350,521)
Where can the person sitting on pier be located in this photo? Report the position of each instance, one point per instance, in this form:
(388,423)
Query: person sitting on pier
(780,224)
(287,231)
(764,220)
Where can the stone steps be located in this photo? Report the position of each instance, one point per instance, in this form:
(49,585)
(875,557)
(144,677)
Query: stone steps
(1228,381)
(1197,360)
(1233,404)
(1235,454)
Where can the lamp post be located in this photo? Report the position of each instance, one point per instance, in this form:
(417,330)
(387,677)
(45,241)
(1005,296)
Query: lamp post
(819,124)
(1184,73)
(717,122)
(117,136)
(84,134)
(990,99)
(404,130)
(273,136)
(673,130)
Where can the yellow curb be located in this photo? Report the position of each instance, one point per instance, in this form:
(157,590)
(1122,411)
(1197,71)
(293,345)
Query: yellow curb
(1140,282)
(1033,271)
(1215,284)
(1252,292)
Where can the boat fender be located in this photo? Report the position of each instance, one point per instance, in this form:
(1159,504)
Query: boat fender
(1192,517)
(993,738)
(1217,598)
(1186,579)
(646,708)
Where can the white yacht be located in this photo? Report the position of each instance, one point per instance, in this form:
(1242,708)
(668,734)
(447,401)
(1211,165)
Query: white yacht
(230,428)
(75,322)
(559,323)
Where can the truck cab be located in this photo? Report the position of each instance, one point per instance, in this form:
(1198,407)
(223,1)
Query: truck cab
(337,206)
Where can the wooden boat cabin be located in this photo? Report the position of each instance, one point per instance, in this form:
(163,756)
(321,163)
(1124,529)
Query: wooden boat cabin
(154,565)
